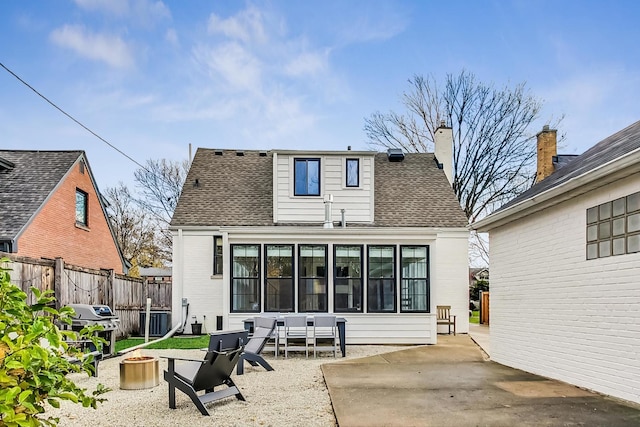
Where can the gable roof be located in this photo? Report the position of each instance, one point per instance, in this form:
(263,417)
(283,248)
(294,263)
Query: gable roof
(234,190)
(26,186)
(230,189)
(28,178)
(584,169)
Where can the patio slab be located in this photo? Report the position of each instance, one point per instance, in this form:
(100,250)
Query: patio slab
(452,384)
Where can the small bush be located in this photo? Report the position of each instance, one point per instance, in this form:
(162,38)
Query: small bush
(34,357)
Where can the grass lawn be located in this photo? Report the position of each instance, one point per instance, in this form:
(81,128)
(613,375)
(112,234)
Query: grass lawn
(183,343)
(475,317)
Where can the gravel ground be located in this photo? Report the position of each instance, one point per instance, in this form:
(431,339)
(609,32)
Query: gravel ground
(294,394)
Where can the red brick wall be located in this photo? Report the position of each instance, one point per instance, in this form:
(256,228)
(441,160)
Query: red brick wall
(53,232)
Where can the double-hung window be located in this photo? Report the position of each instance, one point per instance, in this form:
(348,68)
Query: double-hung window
(381,282)
(279,278)
(82,200)
(414,284)
(306,177)
(353,173)
(217,255)
(348,279)
(312,278)
(245,278)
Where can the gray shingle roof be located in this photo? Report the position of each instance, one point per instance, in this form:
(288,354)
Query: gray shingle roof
(414,193)
(232,190)
(238,190)
(26,186)
(610,148)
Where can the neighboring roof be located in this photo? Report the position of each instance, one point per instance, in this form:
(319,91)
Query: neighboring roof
(154,271)
(610,149)
(236,190)
(25,187)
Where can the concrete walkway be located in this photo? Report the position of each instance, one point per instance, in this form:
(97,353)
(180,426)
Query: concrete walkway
(480,335)
(452,384)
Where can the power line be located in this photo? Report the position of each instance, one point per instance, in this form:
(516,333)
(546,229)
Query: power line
(72,118)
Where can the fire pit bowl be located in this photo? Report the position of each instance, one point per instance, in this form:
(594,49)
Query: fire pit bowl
(139,372)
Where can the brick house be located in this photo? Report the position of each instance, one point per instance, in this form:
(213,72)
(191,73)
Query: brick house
(50,207)
(565,262)
(377,238)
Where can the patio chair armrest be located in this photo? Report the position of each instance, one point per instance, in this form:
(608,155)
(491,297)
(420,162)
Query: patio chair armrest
(184,359)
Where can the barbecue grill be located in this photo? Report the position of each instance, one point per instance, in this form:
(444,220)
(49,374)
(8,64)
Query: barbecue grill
(90,314)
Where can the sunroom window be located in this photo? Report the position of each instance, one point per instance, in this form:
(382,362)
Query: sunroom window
(245,280)
(414,287)
(279,281)
(381,283)
(312,280)
(348,279)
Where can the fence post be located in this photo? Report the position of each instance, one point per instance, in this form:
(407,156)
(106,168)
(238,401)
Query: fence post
(58,271)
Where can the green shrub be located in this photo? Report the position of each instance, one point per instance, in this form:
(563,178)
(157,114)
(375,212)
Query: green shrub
(34,357)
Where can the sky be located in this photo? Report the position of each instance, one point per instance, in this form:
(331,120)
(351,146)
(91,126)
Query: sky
(151,77)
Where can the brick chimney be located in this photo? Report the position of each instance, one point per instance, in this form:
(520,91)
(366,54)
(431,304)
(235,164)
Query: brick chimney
(443,142)
(547,148)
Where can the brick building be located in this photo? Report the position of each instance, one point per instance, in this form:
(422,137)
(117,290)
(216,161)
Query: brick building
(565,261)
(50,207)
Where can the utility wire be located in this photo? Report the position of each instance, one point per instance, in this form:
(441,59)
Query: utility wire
(72,118)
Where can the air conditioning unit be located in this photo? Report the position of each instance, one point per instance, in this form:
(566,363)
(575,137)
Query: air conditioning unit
(159,323)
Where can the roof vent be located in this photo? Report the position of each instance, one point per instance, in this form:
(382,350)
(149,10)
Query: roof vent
(263,154)
(218,152)
(239,153)
(6,164)
(395,154)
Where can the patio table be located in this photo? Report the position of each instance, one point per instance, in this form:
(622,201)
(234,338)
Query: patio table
(341,322)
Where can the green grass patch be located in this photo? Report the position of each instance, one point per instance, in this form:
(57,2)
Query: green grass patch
(181,343)
(475,317)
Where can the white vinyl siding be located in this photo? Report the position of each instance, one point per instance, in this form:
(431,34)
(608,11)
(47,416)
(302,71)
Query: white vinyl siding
(357,201)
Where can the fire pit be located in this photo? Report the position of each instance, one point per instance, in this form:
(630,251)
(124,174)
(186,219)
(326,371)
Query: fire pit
(138,372)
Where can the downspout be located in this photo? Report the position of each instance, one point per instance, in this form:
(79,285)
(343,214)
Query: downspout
(328,201)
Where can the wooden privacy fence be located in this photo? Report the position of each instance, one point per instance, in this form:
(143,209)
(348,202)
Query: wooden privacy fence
(127,296)
(484,308)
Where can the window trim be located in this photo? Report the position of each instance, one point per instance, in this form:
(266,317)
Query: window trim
(346,175)
(427,279)
(267,277)
(84,223)
(395,278)
(295,176)
(232,277)
(300,277)
(336,279)
(217,256)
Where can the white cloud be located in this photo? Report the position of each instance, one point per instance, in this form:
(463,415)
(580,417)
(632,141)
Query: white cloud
(113,7)
(171,36)
(307,63)
(233,63)
(246,26)
(144,12)
(109,49)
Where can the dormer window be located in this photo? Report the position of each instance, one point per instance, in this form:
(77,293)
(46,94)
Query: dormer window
(307,177)
(353,172)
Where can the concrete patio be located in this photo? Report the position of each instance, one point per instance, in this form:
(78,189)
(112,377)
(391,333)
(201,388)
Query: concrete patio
(453,384)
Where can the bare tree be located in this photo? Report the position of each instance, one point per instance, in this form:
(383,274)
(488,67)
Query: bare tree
(159,185)
(493,144)
(135,233)
(141,219)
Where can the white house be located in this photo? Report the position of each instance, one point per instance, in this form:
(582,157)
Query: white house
(565,268)
(378,238)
